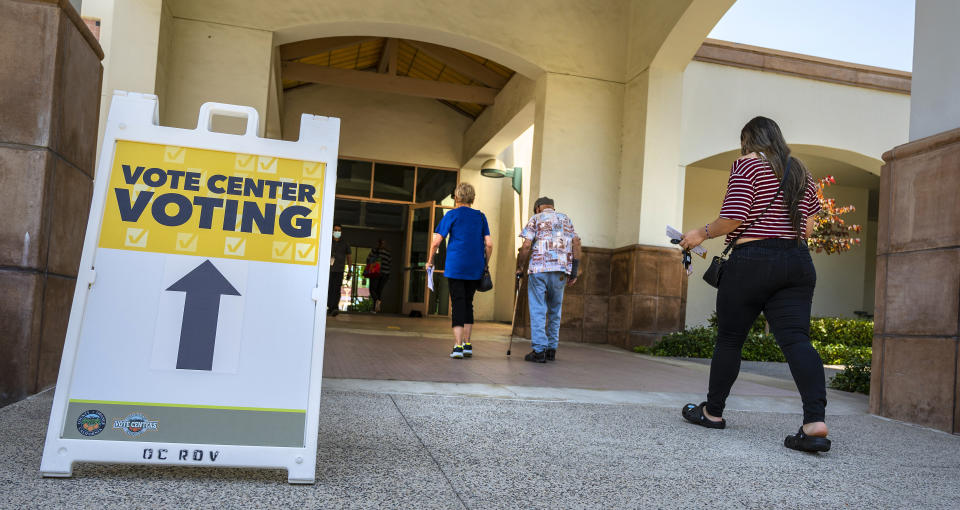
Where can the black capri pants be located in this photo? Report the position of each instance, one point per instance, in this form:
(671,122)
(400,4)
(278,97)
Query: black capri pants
(461,296)
(776,277)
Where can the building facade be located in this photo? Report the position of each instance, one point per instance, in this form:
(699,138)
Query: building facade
(619,110)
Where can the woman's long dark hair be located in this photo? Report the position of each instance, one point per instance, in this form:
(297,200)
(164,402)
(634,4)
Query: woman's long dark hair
(762,135)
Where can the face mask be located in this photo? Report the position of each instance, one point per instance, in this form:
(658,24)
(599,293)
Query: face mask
(336,235)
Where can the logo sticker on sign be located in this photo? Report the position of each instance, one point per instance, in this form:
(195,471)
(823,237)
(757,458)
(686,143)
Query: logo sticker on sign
(197,323)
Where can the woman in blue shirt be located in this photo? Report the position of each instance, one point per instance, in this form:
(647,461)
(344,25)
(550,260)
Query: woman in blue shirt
(468,249)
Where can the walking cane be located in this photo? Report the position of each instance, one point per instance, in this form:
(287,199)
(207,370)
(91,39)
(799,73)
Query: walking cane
(513,320)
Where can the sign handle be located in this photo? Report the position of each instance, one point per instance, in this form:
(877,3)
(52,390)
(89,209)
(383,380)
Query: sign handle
(208,110)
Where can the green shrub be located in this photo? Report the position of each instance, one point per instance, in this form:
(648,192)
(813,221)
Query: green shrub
(761,347)
(832,330)
(690,343)
(855,376)
(698,342)
(758,326)
(840,354)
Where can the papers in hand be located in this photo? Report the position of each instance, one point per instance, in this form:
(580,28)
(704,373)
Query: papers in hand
(430,277)
(673,233)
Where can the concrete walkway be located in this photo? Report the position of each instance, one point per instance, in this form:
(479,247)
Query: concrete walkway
(387,348)
(613,441)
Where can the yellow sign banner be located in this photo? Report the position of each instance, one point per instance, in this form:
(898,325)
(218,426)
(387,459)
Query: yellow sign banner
(208,203)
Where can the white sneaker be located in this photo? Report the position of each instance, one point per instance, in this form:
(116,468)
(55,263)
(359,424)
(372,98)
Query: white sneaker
(457,352)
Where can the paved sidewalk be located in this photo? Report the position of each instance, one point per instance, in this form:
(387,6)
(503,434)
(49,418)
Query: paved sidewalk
(386,450)
(403,426)
(398,348)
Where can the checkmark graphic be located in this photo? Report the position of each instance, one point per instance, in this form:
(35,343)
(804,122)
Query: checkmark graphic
(305,252)
(186,242)
(235,246)
(282,250)
(315,170)
(245,162)
(140,188)
(174,154)
(267,165)
(136,237)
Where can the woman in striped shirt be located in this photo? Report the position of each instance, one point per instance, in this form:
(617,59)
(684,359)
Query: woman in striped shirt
(769,217)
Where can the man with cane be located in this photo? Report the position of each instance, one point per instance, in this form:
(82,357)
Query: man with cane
(551,252)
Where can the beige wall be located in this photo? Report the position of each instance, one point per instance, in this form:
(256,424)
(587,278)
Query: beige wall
(514,212)
(129,36)
(936,70)
(704,190)
(382,126)
(500,123)
(841,278)
(164,51)
(718,100)
(214,62)
(576,152)
(568,36)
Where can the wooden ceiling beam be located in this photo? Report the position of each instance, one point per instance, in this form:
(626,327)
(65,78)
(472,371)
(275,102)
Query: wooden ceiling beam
(299,71)
(300,49)
(388,59)
(461,63)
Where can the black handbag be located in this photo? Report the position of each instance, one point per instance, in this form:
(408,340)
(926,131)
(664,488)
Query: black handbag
(715,271)
(486,283)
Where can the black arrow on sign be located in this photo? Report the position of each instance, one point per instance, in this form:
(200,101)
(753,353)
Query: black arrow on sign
(198,333)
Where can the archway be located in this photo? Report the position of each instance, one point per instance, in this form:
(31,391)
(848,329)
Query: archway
(845,282)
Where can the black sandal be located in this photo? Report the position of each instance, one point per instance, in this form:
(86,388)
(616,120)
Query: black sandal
(694,414)
(804,443)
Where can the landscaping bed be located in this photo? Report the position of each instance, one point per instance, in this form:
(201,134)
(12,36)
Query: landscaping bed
(846,342)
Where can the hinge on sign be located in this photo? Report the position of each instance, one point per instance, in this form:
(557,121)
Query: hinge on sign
(315,294)
(90,276)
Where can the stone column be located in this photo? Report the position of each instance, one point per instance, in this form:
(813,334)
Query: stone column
(49,88)
(916,367)
(916,345)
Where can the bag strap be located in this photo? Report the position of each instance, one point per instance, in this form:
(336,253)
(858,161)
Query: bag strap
(786,172)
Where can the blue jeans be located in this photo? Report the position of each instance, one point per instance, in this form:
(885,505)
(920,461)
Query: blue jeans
(545,293)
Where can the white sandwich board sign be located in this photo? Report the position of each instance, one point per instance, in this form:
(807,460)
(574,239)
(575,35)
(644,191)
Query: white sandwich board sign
(197,328)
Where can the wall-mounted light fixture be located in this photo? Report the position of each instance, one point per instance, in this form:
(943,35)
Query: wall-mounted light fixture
(494,168)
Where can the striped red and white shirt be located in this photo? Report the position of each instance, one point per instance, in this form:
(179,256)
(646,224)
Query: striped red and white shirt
(751,187)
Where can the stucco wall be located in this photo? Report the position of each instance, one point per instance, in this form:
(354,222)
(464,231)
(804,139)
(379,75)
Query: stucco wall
(382,126)
(576,152)
(718,100)
(569,36)
(213,62)
(129,36)
(936,71)
(841,278)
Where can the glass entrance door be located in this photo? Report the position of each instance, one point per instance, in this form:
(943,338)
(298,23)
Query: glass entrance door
(419,231)
(423,220)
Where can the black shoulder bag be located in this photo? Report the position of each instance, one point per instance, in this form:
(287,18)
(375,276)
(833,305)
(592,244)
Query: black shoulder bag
(715,271)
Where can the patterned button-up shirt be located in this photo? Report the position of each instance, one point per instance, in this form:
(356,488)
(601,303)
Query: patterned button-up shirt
(552,235)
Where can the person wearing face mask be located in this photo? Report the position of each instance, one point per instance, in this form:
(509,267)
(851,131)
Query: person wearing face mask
(339,258)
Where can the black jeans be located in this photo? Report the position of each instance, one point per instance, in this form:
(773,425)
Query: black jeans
(461,294)
(776,277)
(376,287)
(333,290)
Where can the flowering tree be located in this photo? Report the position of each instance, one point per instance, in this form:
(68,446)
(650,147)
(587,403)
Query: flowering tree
(831,234)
